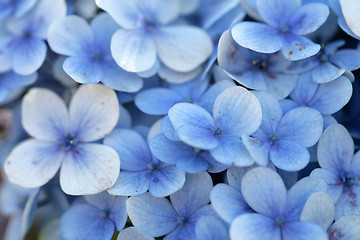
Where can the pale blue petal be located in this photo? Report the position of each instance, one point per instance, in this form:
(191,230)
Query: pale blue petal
(165,180)
(302,125)
(194,125)
(116,78)
(297,48)
(289,155)
(259,150)
(175,77)
(45,120)
(228,202)
(237,111)
(70,36)
(299,194)
(264,191)
(257,37)
(133,50)
(83,69)
(193,195)
(28,54)
(331,97)
(280,85)
(124,12)
(345,228)
(334,186)
(103,27)
(131,183)
(348,59)
(22,7)
(29,212)
(89,168)
(132,233)
(277,13)
(165,11)
(157,101)
(154,216)
(305,89)
(211,228)
(175,48)
(11,80)
(234,175)
(133,150)
(308,18)
(319,209)
(335,149)
(193,89)
(168,129)
(302,231)
(326,72)
(94,112)
(231,151)
(84,222)
(349,201)
(254,226)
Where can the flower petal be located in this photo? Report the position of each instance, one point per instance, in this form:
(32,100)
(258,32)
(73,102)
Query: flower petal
(131,183)
(298,47)
(33,163)
(348,59)
(94,112)
(345,228)
(326,72)
(334,187)
(211,228)
(303,230)
(132,233)
(89,169)
(83,69)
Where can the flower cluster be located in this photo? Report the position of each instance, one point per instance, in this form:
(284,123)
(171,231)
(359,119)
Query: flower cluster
(179,119)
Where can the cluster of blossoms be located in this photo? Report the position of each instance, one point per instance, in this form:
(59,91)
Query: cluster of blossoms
(179,119)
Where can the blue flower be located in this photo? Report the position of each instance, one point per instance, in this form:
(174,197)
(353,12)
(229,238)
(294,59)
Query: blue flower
(15,9)
(277,210)
(340,169)
(24,49)
(96,218)
(284,139)
(254,70)
(90,58)
(61,138)
(286,22)
(176,219)
(147,34)
(140,171)
(236,112)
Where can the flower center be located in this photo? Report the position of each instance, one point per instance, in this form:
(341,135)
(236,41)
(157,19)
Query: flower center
(69,142)
(152,166)
(279,221)
(104,213)
(150,23)
(97,55)
(197,152)
(348,178)
(273,137)
(284,29)
(181,220)
(218,131)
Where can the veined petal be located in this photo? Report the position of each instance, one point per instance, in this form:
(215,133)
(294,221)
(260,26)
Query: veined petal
(45,120)
(133,50)
(175,48)
(33,163)
(83,69)
(94,112)
(257,37)
(131,183)
(303,230)
(89,169)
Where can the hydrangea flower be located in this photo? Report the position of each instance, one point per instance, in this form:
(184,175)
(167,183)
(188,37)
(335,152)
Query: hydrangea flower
(24,49)
(254,70)
(286,23)
(277,210)
(284,139)
(147,34)
(236,112)
(97,218)
(140,170)
(90,58)
(61,138)
(340,169)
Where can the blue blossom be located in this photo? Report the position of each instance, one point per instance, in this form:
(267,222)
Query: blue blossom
(283,139)
(147,34)
(61,138)
(23,50)
(339,169)
(90,58)
(286,23)
(254,70)
(15,9)
(97,218)
(277,210)
(176,219)
(140,171)
(236,112)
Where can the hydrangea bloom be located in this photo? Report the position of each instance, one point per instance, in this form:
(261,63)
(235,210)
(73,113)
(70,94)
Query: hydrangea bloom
(286,22)
(61,138)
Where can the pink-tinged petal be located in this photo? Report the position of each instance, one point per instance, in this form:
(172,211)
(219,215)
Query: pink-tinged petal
(175,47)
(257,37)
(133,50)
(345,228)
(350,10)
(33,163)
(89,169)
(334,185)
(44,115)
(94,112)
